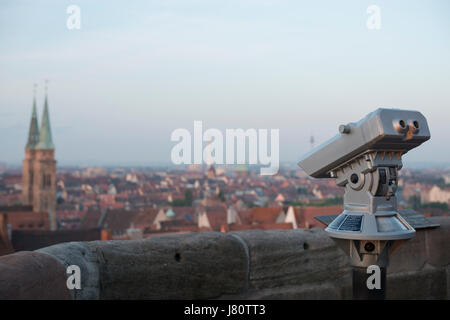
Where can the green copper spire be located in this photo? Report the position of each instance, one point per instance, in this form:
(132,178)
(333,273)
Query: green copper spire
(33,133)
(45,136)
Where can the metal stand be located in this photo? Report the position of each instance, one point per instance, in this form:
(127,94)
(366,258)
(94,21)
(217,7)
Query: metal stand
(364,158)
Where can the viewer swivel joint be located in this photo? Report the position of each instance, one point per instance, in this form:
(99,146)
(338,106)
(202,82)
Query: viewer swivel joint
(364,158)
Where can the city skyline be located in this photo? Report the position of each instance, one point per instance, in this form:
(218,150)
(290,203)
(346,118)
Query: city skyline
(132,74)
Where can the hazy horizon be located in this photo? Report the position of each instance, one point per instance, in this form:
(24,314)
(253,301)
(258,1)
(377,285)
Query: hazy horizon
(148,164)
(136,71)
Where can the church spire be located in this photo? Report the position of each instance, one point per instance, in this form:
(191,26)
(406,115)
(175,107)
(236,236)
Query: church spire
(45,135)
(33,133)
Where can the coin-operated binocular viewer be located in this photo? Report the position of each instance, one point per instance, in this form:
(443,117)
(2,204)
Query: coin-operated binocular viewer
(365,158)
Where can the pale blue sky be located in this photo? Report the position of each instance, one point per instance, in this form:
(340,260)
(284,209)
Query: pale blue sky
(137,70)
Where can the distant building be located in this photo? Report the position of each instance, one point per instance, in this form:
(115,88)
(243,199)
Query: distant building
(211,172)
(242,171)
(436,194)
(39,165)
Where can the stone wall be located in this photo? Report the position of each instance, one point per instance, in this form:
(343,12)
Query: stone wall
(254,264)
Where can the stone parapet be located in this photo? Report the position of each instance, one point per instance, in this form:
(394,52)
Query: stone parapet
(253,264)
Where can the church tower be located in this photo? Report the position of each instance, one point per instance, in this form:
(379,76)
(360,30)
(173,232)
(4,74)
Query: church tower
(27,168)
(44,182)
(39,166)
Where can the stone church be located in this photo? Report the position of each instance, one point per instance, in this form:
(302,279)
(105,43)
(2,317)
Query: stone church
(39,166)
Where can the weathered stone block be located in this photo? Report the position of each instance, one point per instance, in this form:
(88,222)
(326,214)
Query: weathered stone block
(411,256)
(31,275)
(438,242)
(191,266)
(86,256)
(282,258)
(428,283)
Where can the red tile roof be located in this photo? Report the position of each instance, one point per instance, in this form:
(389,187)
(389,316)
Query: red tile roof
(144,219)
(118,221)
(217,216)
(305,215)
(264,215)
(91,219)
(28,220)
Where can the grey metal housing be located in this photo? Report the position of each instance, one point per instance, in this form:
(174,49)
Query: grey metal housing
(381,130)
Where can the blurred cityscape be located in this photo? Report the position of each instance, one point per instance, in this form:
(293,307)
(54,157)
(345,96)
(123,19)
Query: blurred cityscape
(42,204)
(94,203)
